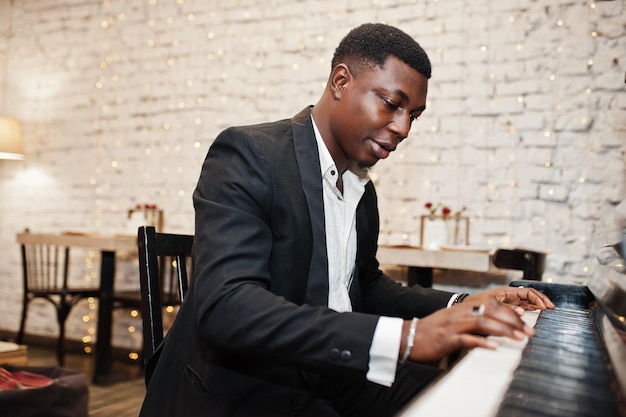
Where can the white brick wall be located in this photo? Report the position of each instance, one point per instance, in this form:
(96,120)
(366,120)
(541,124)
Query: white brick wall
(120,101)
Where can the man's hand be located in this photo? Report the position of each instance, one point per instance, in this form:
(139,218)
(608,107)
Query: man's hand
(525,298)
(466,325)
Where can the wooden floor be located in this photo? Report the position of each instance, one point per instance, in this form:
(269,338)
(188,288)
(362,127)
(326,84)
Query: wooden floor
(122,397)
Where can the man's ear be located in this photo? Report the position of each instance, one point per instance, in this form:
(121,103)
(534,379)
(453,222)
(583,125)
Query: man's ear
(339,80)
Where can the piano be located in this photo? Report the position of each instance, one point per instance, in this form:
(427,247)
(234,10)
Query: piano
(574,365)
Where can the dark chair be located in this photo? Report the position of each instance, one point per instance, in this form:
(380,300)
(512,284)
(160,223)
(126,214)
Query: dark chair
(163,259)
(131,299)
(531,262)
(45,270)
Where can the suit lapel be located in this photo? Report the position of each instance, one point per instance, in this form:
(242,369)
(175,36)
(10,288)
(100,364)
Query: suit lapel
(307,158)
(365,216)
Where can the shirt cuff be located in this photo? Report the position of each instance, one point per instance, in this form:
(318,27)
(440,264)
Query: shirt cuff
(452,300)
(385,350)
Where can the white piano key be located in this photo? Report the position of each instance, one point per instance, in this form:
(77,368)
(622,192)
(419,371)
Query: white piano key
(474,386)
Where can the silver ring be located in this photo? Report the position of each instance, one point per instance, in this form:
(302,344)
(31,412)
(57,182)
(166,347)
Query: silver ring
(478,311)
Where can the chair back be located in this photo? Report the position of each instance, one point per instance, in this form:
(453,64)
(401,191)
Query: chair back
(163,257)
(44,267)
(531,262)
(45,270)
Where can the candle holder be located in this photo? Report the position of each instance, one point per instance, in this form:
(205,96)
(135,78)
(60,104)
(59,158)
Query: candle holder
(145,215)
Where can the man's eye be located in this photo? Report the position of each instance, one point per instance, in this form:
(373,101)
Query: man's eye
(390,104)
(414,117)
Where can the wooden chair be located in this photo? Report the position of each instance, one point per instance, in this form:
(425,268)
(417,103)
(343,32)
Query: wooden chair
(531,262)
(45,270)
(163,259)
(131,299)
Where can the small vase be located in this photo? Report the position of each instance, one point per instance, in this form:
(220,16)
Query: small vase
(435,232)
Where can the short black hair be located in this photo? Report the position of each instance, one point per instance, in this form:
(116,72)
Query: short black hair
(373,43)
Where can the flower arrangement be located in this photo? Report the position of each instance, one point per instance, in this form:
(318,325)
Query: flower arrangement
(457,215)
(145,214)
(444,213)
(432,210)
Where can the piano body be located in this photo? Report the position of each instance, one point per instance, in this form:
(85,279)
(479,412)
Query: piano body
(574,365)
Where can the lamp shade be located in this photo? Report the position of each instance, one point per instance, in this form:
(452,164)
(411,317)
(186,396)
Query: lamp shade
(11,146)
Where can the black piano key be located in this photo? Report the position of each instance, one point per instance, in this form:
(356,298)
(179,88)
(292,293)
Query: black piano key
(558,402)
(562,371)
(510,410)
(586,372)
(524,410)
(580,396)
(551,403)
(594,355)
(533,382)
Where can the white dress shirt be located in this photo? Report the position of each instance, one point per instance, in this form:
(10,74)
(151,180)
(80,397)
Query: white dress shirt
(340,220)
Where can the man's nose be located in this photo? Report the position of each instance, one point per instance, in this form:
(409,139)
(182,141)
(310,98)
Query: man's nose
(401,126)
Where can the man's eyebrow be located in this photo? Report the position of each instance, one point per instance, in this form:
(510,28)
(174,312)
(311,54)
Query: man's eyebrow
(405,97)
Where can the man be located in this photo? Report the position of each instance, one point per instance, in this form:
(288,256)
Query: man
(288,313)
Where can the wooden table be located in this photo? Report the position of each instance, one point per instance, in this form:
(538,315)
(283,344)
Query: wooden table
(13,354)
(421,262)
(108,245)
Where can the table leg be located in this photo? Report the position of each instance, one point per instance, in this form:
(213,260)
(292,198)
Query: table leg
(420,275)
(105,312)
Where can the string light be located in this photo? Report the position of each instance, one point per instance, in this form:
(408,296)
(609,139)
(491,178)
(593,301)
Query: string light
(108,163)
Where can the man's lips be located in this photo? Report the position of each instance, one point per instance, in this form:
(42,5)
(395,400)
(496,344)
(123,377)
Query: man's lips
(381,149)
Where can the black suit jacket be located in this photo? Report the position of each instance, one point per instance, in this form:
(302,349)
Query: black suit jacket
(254,333)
